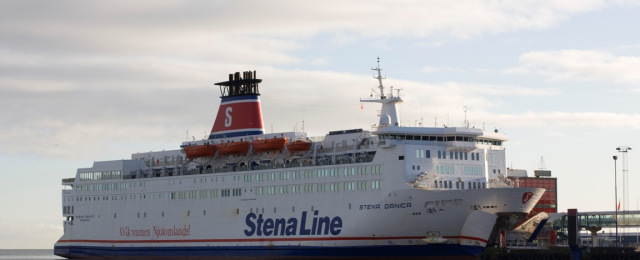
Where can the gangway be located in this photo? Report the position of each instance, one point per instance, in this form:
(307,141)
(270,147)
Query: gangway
(603,219)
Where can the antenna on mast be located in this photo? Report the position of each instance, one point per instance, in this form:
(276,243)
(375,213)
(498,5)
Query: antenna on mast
(541,166)
(466,123)
(380,78)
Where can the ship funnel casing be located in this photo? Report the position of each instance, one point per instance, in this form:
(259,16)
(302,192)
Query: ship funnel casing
(240,113)
(238,116)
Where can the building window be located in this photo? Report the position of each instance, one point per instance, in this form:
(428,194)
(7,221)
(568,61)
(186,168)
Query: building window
(428,155)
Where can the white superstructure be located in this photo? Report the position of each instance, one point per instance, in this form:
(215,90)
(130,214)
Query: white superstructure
(396,192)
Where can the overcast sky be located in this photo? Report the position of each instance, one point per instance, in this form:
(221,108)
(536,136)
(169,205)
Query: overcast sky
(82,81)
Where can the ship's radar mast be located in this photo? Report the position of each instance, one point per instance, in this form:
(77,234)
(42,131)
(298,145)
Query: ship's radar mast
(389,111)
(380,78)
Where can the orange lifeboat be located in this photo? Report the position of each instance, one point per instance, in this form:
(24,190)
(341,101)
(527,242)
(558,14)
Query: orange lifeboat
(299,146)
(197,151)
(233,148)
(269,145)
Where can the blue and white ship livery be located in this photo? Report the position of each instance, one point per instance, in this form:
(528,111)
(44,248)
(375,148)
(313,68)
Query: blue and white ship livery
(394,192)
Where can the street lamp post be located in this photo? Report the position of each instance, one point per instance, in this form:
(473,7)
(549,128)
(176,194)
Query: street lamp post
(615,175)
(623,151)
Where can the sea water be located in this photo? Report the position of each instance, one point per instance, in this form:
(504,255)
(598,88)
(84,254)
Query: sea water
(28,254)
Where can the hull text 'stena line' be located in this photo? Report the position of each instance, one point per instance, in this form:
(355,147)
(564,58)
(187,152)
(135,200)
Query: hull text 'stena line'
(393,192)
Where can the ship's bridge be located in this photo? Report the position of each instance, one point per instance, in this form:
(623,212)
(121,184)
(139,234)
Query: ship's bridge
(462,139)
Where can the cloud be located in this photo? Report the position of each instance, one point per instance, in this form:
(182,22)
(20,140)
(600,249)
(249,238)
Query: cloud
(103,113)
(81,79)
(207,29)
(571,119)
(16,231)
(579,65)
(431,69)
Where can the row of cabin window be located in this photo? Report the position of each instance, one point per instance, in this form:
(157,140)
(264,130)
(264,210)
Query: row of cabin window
(458,155)
(308,174)
(108,186)
(450,169)
(319,187)
(440,139)
(459,185)
(216,193)
(101,175)
(452,155)
(311,174)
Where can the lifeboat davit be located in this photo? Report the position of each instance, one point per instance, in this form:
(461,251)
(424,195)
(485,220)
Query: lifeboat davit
(269,145)
(233,148)
(299,146)
(197,151)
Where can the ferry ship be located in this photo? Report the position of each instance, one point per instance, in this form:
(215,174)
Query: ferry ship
(389,192)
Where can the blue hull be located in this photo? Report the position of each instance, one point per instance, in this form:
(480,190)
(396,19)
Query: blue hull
(278,252)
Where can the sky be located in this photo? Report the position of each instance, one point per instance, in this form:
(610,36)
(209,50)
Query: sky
(84,81)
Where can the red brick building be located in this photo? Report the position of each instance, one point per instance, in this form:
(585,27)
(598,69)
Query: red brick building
(549,201)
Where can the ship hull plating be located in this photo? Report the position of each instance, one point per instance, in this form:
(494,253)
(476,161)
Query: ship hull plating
(441,251)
